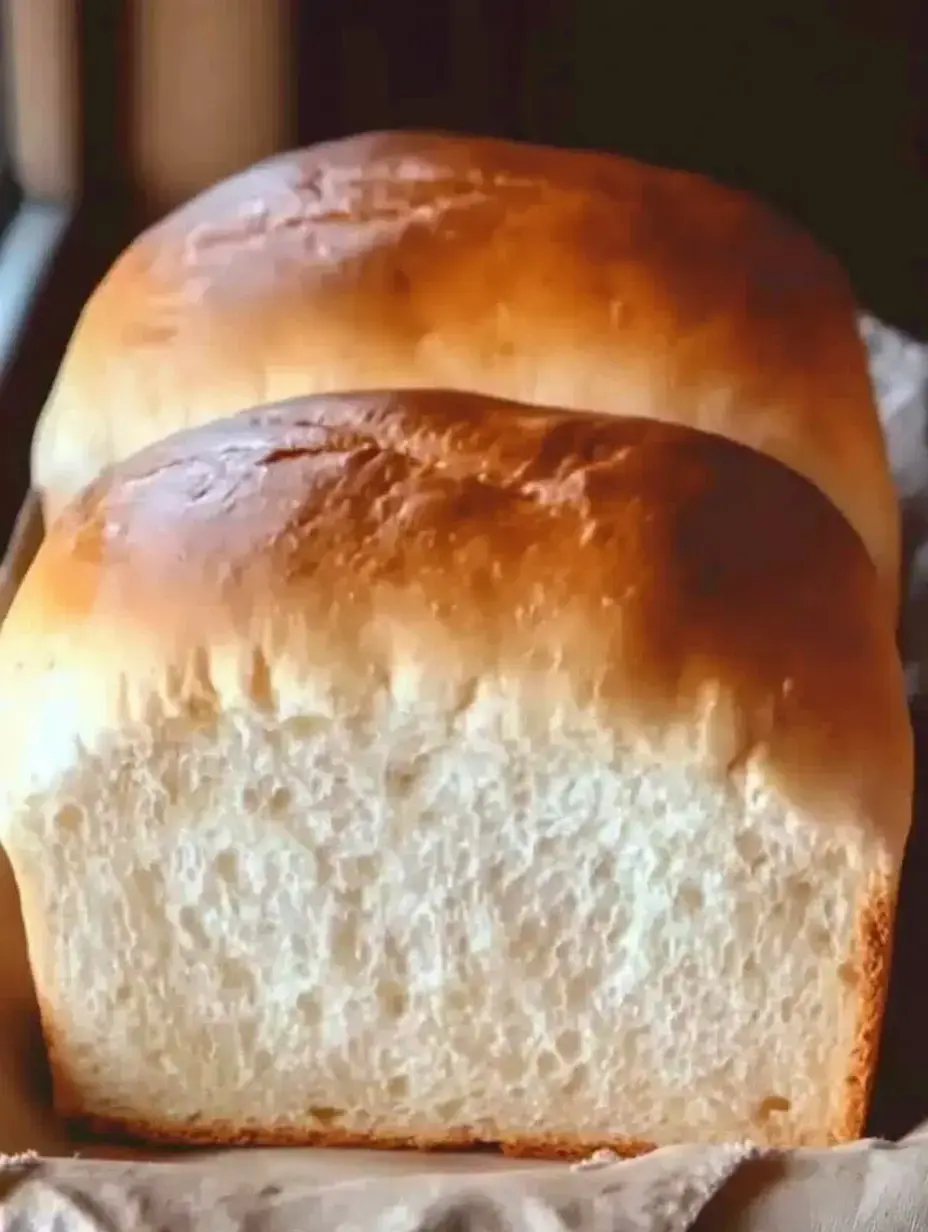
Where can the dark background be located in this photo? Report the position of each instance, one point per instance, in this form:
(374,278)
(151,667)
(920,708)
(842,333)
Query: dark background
(822,107)
(819,106)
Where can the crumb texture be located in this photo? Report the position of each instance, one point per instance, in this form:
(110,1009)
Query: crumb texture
(469,940)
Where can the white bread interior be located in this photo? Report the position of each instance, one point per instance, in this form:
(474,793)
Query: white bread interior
(417,768)
(552,277)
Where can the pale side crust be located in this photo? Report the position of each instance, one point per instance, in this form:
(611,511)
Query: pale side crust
(875,948)
(875,931)
(25,540)
(223,1134)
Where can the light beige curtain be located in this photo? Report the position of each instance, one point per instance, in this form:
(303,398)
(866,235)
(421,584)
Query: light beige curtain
(41,96)
(214,91)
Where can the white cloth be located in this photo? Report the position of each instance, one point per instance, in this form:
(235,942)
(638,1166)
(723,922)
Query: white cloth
(899,370)
(871,1186)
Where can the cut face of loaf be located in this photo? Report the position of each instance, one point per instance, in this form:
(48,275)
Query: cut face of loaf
(422,768)
(423,260)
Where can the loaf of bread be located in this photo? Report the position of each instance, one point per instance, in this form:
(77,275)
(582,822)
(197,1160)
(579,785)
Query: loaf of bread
(422,768)
(552,277)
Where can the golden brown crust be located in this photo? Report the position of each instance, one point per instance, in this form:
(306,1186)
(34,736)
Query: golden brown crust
(220,1134)
(566,278)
